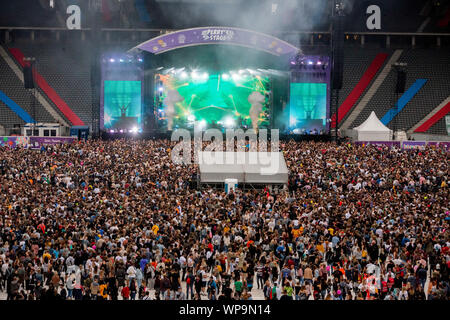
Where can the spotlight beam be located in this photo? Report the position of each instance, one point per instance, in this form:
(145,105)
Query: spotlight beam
(234,104)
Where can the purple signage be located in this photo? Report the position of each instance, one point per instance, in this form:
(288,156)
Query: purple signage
(444,144)
(380,143)
(218,35)
(414,145)
(407,145)
(38,142)
(14,141)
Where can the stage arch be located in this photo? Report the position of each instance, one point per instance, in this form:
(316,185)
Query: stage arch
(217,35)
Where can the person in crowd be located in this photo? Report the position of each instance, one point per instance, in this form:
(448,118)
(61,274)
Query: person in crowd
(118,220)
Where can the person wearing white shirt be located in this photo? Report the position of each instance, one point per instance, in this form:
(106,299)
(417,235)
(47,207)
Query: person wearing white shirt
(183,265)
(226,242)
(131,272)
(403,294)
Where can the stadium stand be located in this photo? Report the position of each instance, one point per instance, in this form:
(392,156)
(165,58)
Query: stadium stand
(360,68)
(66,69)
(432,65)
(11,86)
(422,64)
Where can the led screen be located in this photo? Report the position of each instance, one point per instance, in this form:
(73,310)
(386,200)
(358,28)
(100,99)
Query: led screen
(216,98)
(122,105)
(308,107)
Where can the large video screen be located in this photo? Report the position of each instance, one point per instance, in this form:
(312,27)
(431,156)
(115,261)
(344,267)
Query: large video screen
(122,105)
(233,99)
(308,107)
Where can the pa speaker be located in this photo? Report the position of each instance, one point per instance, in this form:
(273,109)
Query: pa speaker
(401,82)
(338,52)
(28,77)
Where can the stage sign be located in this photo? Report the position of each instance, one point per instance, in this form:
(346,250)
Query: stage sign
(218,35)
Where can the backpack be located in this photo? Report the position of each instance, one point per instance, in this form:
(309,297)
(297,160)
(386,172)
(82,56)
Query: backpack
(273,293)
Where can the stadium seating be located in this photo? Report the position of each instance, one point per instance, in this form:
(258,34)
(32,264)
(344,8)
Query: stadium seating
(356,62)
(422,64)
(66,68)
(14,89)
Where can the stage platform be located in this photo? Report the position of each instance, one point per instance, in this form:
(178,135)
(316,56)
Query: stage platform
(247,167)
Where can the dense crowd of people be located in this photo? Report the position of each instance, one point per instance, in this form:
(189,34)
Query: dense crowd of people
(119,220)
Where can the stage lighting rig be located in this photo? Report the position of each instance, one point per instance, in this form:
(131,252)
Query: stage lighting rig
(339,7)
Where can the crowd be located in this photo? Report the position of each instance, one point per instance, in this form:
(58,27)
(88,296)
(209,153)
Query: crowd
(118,220)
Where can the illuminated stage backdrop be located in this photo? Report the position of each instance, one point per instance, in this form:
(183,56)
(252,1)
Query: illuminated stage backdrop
(308,106)
(309,95)
(122,104)
(121,100)
(221,98)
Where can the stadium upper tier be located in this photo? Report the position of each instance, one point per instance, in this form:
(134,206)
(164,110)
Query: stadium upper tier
(262,15)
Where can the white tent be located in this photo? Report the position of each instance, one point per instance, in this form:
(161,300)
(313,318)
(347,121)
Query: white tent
(372,130)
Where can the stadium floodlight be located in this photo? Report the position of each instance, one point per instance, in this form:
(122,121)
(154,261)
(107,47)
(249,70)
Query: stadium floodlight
(184,75)
(202,124)
(236,77)
(225,76)
(205,75)
(310,62)
(319,63)
(112,60)
(121,130)
(191,118)
(111,131)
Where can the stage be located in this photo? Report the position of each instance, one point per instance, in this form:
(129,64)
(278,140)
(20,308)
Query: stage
(215,78)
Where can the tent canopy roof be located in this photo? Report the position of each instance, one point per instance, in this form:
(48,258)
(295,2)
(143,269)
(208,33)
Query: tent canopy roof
(372,124)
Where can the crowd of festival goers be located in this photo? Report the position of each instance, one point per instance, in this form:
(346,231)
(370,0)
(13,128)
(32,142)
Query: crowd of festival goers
(119,220)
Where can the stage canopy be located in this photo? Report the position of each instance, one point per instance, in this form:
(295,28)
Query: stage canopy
(246,167)
(372,130)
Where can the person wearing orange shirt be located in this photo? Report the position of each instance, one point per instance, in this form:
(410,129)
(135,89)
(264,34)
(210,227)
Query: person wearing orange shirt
(155,229)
